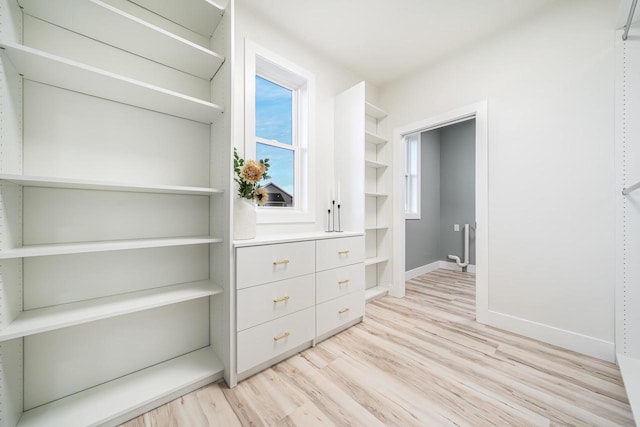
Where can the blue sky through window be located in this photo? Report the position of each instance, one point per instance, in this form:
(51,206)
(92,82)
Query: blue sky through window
(273,115)
(273,111)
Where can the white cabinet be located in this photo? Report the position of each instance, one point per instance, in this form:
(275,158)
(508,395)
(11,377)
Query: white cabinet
(363,151)
(332,253)
(338,312)
(274,300)
(264,264)
(275,338)
(114,207)
(292,293)
(338,282)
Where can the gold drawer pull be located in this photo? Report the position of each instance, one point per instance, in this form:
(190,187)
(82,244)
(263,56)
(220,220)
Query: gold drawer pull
(284,261)
(343,252)
(279,337)
(343,310)
(281,299)
(343,282)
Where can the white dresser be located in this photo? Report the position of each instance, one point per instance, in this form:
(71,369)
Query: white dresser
(293,292)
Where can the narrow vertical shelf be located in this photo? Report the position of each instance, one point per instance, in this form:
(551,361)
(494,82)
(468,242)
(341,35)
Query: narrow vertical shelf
(378,257)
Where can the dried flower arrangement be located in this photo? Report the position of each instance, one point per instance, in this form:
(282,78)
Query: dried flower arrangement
(248,174)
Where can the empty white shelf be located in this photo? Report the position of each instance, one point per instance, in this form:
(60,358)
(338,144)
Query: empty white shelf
(375,293)
(56,71)
(133,34)
(373,138)
(376,260)
(103,246)
(373,111)
(201,16)
(374,164)
(85,184)
(116,401)
(630,370)
(62,316)
(376,227)
(374,194)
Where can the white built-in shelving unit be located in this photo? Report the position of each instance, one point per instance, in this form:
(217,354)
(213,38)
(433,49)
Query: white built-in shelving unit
(114,206)
(362,150)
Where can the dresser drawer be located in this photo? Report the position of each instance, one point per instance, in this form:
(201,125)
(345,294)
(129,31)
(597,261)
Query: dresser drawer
(340,281)
(263,264)
(340,311)
(263,342)
(332,253)
(263,303)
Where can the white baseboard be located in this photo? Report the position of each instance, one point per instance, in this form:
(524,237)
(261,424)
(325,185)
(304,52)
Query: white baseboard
(428,268)
(584,344)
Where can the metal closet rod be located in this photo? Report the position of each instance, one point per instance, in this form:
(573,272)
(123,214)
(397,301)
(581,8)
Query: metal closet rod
(629,19)
(628,190)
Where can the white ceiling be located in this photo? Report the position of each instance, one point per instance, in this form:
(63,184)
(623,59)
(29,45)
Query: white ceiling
(383,40)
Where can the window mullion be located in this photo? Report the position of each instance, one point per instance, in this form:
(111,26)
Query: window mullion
(274,143)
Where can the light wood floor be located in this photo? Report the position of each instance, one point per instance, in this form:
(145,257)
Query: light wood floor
(417,361)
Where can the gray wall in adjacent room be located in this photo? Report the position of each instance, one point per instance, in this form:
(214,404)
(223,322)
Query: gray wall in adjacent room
(447,196)
(457,188)
(423,235)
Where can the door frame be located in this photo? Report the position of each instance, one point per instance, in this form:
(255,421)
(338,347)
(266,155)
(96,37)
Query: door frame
(477,111)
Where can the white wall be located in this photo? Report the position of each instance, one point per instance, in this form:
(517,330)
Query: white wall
(549,83)
(331,79)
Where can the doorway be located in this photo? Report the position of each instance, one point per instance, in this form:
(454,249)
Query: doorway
(440,199)
(477,113)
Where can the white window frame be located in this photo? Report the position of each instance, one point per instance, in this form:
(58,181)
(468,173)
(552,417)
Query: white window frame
(412,178)
(264,63)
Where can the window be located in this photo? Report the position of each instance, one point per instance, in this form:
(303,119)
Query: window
(278,126)
(275,119)
(412,176)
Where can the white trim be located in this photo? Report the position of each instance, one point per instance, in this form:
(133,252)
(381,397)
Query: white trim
(304,186)
(479,112)
(584,344)
(428,268)
(419,271)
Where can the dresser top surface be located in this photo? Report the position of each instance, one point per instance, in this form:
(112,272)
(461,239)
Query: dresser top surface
(294,237)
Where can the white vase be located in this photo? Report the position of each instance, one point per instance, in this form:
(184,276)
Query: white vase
(244,219)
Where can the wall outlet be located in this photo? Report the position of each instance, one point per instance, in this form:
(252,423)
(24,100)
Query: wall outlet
(456,227)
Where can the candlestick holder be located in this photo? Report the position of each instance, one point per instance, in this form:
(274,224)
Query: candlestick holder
(339,230)
(333,215)
(328,220)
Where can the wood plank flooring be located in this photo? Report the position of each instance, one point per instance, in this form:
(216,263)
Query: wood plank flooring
(417,361)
